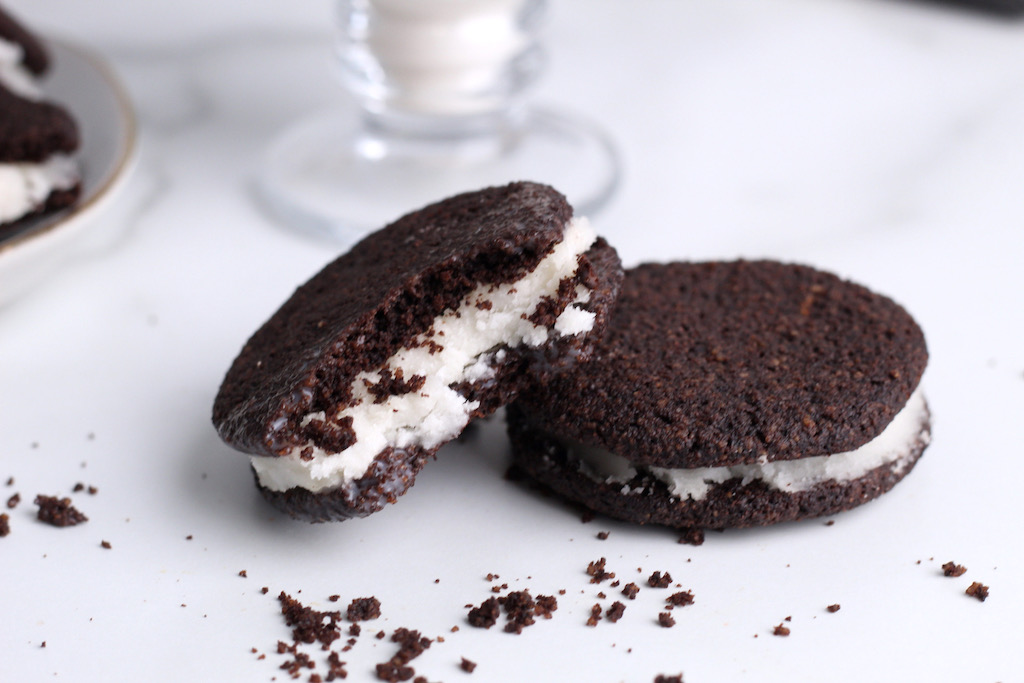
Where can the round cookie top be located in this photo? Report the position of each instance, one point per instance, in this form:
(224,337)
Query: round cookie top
(368,303)
(710,364)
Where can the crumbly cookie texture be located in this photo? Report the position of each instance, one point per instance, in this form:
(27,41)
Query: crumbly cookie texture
(390,350)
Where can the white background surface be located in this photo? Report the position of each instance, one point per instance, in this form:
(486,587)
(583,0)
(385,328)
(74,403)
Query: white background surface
(882,140)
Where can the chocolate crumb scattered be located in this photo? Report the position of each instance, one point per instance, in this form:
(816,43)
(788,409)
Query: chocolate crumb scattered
(492,577)
(630,590)
(977,590)
(189,537)
(659,580)
(334,598)
(595,615)
(78,487)
(597,572)
(788,619)
(520,609)
(380,635)
(602,535)
(105,545)
(10,481)
(833,608)
(467,665)
(953,569)
(662,678)
(681,599)
(363,609)
(780,630)
(411,645)
(455,629)
(615,612)
(58,512)
(601,595)
(486,615)
(335,667)
(354,630)
(299,661)
(5,524)
(665,620)
(265,590)
(692,536)
(308,625)
(830,522)
(244,574)
(13,501)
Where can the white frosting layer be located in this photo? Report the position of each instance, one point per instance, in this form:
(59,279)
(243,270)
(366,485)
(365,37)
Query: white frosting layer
(893,446)
(25,187)
(471,337)
(13,75)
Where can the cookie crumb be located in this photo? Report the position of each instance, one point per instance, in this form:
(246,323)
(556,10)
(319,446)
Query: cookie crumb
(5,524)
(467,665)
(615,612)
(630,590)
(105,545)
(602,535)
(665,620)
(833,608)
(662,678)
(13,501)
(334,598)
(58,512)
(244,574)
(780,630)
(308,625)
(363,609)
(680,599)
(597,573)
(659,580)
(595,615)
(953,569)
(977,590)
(486,615)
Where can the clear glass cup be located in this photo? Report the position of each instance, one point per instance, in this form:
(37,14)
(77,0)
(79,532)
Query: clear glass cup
(441,106)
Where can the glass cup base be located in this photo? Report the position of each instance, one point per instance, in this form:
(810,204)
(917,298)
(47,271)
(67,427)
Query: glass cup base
(336,177)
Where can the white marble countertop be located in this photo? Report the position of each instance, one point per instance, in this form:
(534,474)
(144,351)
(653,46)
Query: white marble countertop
(880,139)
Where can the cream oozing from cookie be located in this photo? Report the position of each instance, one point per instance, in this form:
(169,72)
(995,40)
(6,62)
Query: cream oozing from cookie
(893,447)
(464,345)
(24,187)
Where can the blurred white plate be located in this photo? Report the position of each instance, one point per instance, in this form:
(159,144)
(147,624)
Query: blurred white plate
(84,83)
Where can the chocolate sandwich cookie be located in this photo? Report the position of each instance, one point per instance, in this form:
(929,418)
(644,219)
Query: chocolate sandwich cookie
(730,395)
(37,138)
(388,352)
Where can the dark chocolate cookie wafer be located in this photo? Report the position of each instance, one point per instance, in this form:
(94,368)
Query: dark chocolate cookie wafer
(732,394)
(34,56)
(387,353)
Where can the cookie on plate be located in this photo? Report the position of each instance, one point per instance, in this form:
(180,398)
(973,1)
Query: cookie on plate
(730,395)
(37,138)
(388,352)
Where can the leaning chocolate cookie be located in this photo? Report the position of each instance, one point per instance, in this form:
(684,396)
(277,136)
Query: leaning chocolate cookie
(389,351)
(730,395)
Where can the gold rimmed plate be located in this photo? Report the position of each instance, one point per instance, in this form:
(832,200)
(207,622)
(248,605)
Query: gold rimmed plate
(85,84)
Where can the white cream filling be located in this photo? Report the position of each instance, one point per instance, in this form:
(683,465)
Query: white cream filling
(893,447)
(24,187)
(471,337)
(13,75)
